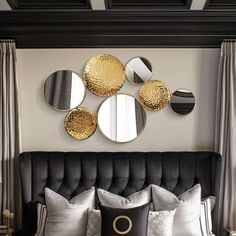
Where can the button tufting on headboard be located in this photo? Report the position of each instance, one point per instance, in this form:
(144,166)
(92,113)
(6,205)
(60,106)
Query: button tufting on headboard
(122,173)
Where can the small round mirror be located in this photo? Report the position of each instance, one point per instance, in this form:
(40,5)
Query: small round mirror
(182,101)
(138,70)
(121,118)
(64,90)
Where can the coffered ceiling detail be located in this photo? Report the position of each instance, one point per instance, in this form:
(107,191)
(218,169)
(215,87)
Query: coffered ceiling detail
(221,5)
(49,4)
(149,4)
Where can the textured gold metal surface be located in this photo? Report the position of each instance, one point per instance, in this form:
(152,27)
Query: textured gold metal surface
(154,95)
(104,75)
(80,123)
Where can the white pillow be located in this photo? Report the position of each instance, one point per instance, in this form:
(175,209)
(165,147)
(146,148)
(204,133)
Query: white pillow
(187,205)
(159,223)
(67,218)
(135,200)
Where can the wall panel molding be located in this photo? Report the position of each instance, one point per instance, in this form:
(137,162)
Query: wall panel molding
(53,29)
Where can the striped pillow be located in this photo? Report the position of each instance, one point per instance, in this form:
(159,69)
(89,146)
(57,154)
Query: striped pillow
(207,206)
(41,219)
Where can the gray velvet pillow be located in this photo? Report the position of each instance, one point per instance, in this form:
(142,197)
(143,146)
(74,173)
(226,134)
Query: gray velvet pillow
(134,200)
(187,205)
(68,218)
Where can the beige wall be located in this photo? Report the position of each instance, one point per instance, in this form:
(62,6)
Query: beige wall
(196,69)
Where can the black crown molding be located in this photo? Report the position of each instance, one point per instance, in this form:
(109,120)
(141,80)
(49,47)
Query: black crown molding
(79,29)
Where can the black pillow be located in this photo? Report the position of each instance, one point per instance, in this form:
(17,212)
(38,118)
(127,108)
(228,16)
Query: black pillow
(127,222)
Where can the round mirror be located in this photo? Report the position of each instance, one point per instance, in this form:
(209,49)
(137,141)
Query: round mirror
(138,70)
(121,118)
(182,101)
(64,90)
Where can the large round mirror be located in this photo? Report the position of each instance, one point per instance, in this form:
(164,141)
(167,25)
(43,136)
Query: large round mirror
(121,118)
(64,90)
(182,101)
(138,70)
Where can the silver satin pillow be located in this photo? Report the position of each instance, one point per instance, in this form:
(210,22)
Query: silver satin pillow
(67,218)
(187,205)
(135,200)
(159,223)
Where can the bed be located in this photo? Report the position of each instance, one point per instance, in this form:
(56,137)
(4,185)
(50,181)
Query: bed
(123,173)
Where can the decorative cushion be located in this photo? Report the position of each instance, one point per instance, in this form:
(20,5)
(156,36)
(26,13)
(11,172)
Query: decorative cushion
(68,218)
(159,223)
(94,223)
(187,205)
(112,200)
(207,206)
(129,221)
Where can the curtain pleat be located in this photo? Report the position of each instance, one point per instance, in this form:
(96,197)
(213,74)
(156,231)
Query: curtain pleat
(10,192)
(225,138)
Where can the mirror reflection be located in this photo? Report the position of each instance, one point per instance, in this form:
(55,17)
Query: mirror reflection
(121,118)
(182,101)
(138,70)
(64,90)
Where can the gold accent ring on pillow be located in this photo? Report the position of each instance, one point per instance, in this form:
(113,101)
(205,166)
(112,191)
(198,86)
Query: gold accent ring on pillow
(127,230)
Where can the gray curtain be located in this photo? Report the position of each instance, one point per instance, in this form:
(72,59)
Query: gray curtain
(225,136)
(10,193)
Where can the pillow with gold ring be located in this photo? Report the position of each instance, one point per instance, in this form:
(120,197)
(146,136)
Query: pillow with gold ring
(127,222)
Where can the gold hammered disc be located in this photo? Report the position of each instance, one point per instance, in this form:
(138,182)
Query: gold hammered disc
(154,95)
(104,75)
(80,123)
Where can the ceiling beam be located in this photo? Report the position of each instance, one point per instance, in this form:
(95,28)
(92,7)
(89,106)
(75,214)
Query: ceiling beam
(68,29)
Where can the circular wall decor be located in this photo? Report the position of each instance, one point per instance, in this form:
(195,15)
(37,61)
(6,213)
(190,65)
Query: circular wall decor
(64,90)
(80,123)
(154,95)
(122,217)
(138,70)
(121,118)
(104,75)
(182,101)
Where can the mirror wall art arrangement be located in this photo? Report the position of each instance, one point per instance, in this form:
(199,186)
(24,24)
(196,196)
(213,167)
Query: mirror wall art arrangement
(121,117)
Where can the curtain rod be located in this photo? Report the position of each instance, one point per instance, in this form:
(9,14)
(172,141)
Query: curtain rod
(229,40)
(7,40)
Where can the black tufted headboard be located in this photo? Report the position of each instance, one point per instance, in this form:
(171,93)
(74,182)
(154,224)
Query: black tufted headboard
(122,173)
